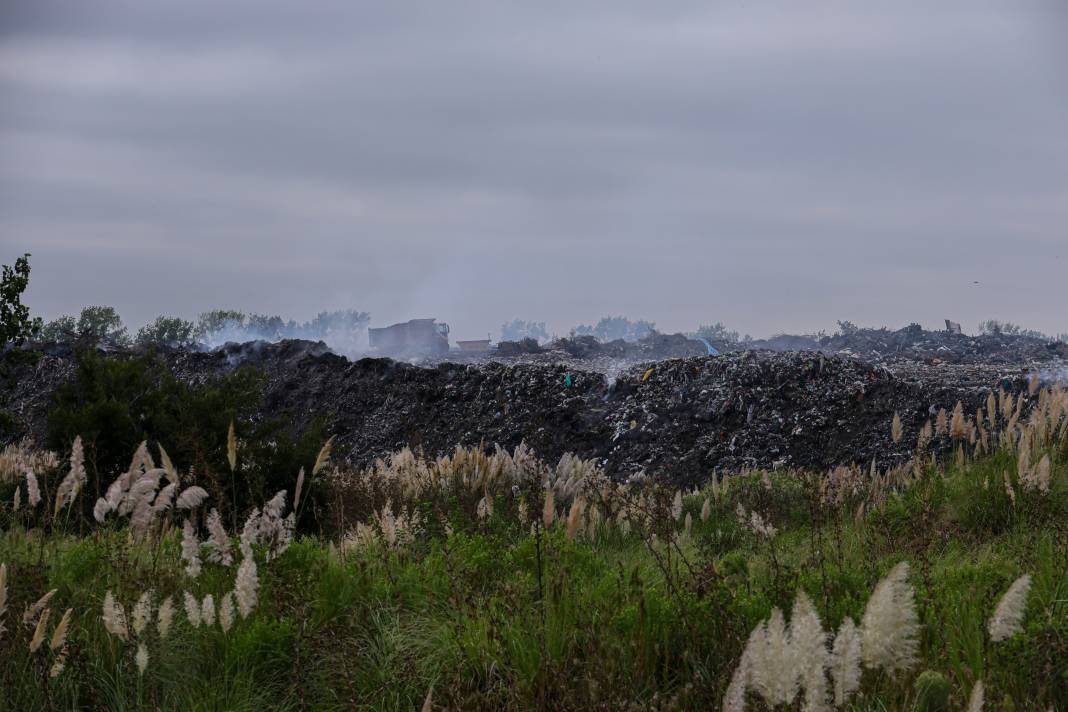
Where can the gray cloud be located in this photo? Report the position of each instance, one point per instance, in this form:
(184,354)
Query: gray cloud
(773,165)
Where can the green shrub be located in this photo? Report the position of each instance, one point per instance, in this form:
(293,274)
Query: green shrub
(932,692)
(115,404)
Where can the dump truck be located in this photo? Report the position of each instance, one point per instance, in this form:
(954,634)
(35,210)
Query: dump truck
(417,336)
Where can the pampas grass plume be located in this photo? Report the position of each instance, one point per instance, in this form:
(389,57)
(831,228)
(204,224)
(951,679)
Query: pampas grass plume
(975,702)
(165,616)
(226,612)
(141,658)
(191,497)
(207,610)
(231,447)
(192,610)
(114,617)
(322,459)
(246,586)
(29,617)
(33,490)
(141,613)
(890,626)
(59,635)
(1010,610)
(845,662)
(574,516)
(39,631)
(548,510)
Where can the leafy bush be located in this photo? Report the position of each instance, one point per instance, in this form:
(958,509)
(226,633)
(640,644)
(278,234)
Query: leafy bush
(115,404)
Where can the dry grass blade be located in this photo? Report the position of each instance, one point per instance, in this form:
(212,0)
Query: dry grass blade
(428,703)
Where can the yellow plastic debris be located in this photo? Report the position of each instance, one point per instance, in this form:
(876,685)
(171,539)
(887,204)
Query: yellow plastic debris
(647,374)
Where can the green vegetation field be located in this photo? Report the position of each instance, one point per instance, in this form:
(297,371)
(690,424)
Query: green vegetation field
(492,580)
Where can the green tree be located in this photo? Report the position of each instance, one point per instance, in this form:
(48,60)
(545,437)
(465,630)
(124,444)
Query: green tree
(15,323)
(518,329)
(167,331)
(102,324)
(610,328)
(60,329)
(217,320)
(718,333)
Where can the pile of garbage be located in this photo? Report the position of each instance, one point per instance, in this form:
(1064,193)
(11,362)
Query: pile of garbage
(680,419)
(914,343)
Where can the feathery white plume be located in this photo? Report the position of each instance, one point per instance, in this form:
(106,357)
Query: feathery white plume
(734,698)
(221,552)
(39,631)
(190,550)
(168,466)
(101,510)
(29,616)
(144,487)
(33,490)
(320,461)
(71,485)
(191,497)
(114,617)
(164,500)
(59,635)
(890,624)
(845,662)
(165,616)
(297,490)
(1010,610)
(250,533)
(773,675)
(207,610)
(808,652)
(246,586)
(226,612)
(141,613)
(192,610)
(976,700)
(141,658)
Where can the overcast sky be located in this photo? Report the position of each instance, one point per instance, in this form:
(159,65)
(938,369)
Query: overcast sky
(773,165)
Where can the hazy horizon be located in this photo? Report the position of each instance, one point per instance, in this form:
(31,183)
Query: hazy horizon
(774,167)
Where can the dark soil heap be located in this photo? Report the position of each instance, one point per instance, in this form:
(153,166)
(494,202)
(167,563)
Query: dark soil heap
(680,419)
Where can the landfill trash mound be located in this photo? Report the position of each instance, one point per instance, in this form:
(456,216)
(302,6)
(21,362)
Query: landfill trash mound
(914,343)
(680,419)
